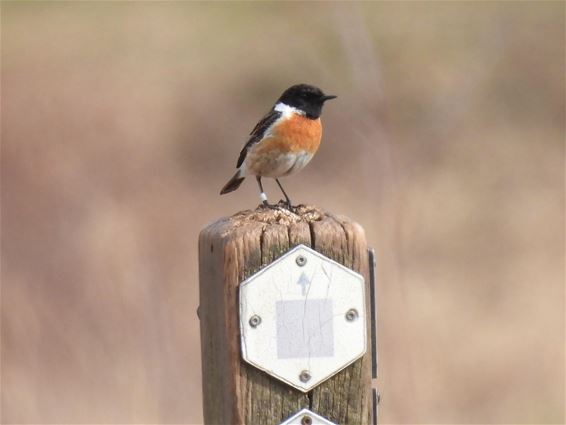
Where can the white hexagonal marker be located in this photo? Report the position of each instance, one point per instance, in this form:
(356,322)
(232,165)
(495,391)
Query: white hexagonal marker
(302,318)
(306,417)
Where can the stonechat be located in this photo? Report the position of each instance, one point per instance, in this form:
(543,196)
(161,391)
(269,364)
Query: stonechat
(284,140)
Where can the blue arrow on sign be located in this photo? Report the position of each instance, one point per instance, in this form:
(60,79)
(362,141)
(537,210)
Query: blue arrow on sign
(304,282)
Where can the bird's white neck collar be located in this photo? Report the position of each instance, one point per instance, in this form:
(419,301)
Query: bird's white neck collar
(287,110)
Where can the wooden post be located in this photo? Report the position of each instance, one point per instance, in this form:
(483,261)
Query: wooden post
(231,250)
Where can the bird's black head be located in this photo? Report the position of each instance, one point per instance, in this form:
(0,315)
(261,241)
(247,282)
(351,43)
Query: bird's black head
(305,98)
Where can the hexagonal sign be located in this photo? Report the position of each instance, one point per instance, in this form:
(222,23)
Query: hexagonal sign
(302,318)
(306,417)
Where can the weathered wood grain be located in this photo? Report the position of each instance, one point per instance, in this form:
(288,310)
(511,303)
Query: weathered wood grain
(231,250)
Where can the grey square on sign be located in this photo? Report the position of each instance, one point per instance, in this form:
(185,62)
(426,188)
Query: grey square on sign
(304,328)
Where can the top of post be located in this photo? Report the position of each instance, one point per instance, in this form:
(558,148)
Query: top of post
(278,215)
(301,215)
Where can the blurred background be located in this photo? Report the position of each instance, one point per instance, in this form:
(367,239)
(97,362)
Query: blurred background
(121,121)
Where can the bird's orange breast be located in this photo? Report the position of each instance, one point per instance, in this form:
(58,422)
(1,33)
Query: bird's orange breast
(300,133)
(294,134)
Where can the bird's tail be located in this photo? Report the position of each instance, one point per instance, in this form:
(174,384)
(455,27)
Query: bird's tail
(234,183)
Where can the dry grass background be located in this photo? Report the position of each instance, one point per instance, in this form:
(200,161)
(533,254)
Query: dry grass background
(121,121)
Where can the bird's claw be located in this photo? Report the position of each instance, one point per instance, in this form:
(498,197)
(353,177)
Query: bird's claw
(266,204)
(287,205)
(282,204)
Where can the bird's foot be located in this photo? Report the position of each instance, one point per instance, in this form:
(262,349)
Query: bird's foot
(287,205)
(266,204)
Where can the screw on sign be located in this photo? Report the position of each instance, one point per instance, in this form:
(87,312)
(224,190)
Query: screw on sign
(305,376)
(351,315)
(255,320)
(306,417)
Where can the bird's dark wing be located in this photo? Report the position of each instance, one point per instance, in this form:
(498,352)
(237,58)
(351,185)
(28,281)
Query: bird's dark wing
(258,132)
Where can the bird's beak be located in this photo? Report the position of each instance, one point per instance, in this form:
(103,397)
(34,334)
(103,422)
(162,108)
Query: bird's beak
(328,97)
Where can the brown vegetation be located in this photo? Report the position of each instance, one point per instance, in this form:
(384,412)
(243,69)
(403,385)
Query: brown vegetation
(122,120)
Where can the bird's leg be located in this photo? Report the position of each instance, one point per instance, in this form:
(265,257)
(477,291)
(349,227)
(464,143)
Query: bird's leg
(262,194)
(286,196)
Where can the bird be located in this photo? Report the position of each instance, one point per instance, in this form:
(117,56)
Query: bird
(283,141)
